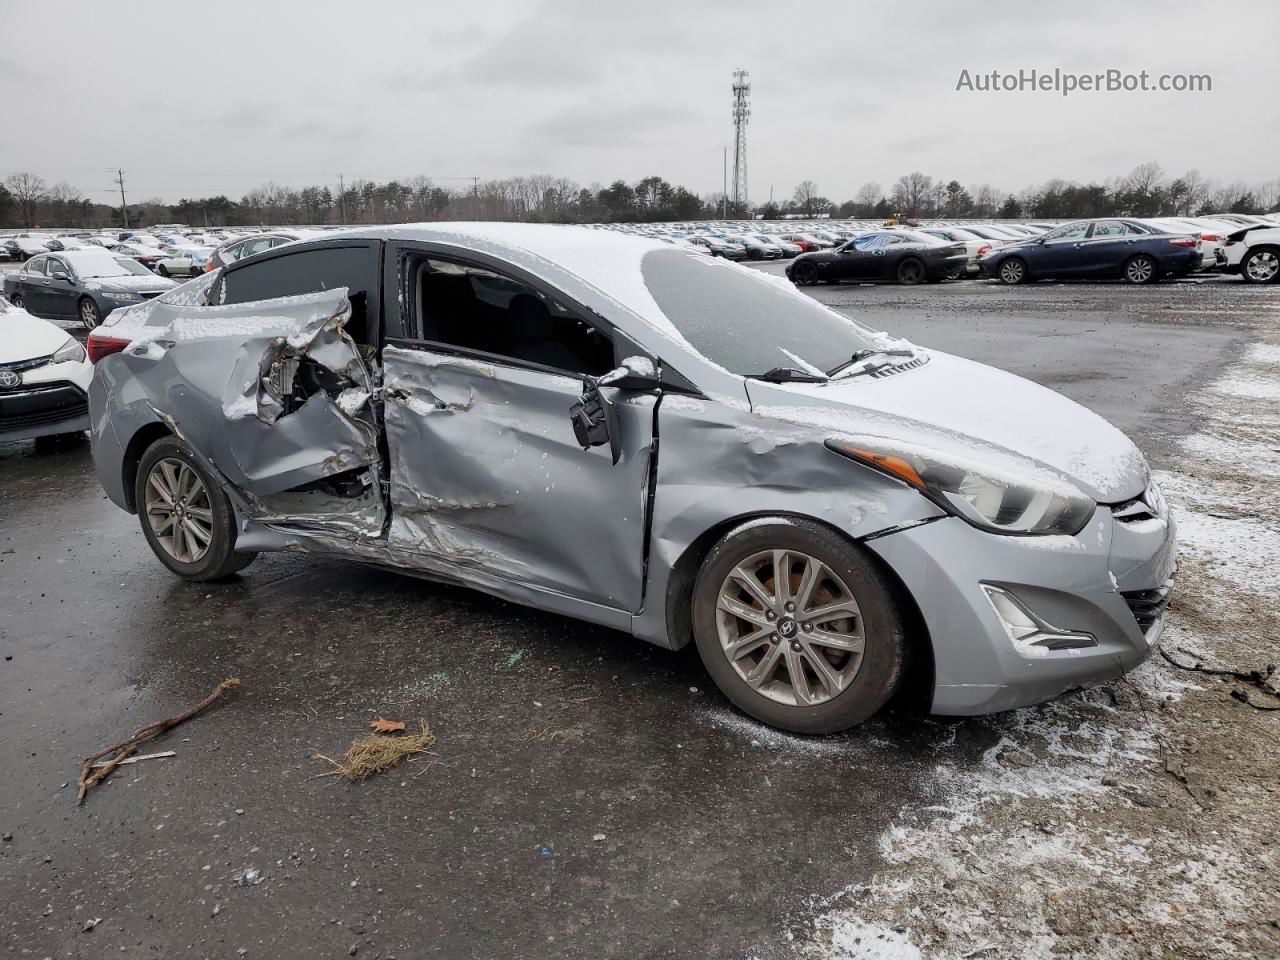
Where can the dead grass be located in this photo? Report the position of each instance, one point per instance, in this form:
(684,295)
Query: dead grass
(377,753)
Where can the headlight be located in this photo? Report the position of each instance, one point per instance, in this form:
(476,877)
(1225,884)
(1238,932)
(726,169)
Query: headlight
(72,350)
(120,295)
(990,502)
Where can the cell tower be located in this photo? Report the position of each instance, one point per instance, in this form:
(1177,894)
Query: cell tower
(741,114)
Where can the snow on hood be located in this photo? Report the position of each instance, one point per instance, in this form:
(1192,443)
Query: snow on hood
(133,283)
(970,414)
(24,337)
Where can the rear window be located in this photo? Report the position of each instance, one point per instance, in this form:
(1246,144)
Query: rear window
(745,321)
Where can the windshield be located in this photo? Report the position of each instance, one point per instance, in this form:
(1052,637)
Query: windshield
(90,267)
(747,322)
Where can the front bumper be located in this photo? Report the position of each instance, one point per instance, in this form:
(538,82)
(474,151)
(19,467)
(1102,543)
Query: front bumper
(1102,582)
(41,410)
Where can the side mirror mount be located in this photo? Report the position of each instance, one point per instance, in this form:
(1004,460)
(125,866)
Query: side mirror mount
(595,418)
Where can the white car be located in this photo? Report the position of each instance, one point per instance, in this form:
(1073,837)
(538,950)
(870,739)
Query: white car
(183,260)
(44,378)
(1254,253)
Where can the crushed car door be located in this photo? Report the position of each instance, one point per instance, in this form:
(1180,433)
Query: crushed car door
(276,397)
(486,473)
(486,470)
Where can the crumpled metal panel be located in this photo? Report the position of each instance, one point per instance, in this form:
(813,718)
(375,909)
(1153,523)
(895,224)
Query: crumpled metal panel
(218,376)
(720,462)
(485,473)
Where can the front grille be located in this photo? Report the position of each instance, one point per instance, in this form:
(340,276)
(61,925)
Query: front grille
(41,406)
(1148,606)
(17,366)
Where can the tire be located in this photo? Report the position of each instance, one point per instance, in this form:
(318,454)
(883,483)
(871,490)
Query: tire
(1261,265)
(1013,271)
(90,315)
(1141,268)
(171,462)
(16,300)
(162,270)
(910,272)
(804,273)
(772,645)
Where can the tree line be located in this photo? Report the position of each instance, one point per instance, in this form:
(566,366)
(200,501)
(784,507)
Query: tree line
(1147,191)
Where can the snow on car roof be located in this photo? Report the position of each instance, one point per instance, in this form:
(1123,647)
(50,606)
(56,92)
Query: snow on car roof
(606,262)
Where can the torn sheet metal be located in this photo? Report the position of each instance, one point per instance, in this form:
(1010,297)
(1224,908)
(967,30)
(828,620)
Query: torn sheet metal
(719,464)
(274,394)
(485,472)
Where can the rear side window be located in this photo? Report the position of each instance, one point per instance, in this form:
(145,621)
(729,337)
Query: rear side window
(309,271)
(36,266)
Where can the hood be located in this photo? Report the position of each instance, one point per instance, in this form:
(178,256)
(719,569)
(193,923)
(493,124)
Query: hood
(132,283)
(974,413)
(24,337)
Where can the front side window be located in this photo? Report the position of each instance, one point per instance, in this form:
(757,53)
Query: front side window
(56,267)
(1072,231)
(476,309)
(746,322)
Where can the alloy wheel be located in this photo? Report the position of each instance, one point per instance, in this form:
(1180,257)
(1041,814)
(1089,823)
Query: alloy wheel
(912,271)
(1011,271)
(1263,266)
(88,313)
(179,510)
(1139,270)
(790,627)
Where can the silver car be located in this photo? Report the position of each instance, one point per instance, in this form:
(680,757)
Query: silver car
(666,444)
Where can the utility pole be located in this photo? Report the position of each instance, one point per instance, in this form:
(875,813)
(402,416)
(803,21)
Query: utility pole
(342,197)
(475,196)
(124,206)
(724,190)
(741,114)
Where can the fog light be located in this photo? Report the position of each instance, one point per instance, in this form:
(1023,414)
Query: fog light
(1028,632)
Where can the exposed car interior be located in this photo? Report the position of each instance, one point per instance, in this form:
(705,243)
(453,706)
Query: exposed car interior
(476,309)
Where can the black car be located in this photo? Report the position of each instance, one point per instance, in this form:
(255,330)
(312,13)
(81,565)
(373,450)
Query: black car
(902,256)
(1096,250)
(81,284)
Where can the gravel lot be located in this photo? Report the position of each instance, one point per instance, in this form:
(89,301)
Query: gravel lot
(594,797)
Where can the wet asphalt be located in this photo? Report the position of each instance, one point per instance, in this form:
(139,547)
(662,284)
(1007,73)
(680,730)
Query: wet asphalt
(588,795)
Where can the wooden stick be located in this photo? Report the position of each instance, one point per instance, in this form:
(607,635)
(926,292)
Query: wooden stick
(145,756)
(118,752)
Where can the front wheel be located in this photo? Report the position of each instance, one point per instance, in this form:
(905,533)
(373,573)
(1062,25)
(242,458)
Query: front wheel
(1260,266)
(186,517)
(16,300)
(797,626)
(90,315)
(1013,271)
(1140,269)
(162,270)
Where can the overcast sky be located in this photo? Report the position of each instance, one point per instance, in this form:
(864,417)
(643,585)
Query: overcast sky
(194,101)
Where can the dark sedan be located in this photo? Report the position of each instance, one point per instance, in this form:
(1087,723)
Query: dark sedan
(1096,250)
(904,256)
(81,284)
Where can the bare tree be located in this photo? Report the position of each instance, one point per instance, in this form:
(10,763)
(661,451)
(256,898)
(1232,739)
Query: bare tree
(28,193)
(913,193)
(806,197)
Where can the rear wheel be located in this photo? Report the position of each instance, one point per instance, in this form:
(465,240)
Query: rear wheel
(797,627)
(90,315)
(185,516)
(911,271)
(1260,266)
(1013,271)
(1141,269)
(804,273)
